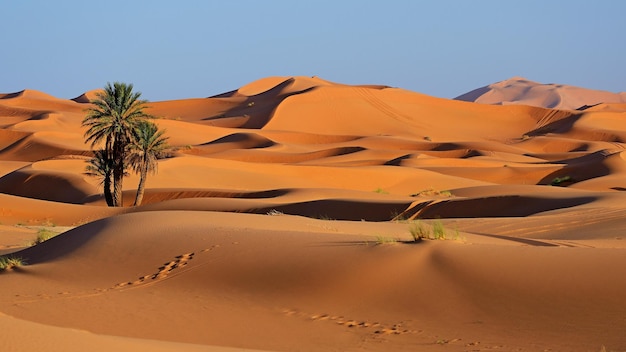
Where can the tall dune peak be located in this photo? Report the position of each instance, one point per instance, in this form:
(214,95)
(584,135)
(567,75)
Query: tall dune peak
(282,83)
(88,96)
(522,91)
(29,94)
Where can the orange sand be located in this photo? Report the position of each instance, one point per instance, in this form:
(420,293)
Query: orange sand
(281,223)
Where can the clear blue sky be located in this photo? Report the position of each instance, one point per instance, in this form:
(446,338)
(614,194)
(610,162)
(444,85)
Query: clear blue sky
(197,48)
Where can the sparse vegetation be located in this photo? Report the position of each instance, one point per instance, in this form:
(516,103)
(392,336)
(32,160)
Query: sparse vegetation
(380,191)
(418,231)
(43,235)
(438,231)
(558,181)
(9,262)
(432,192)
(385,240)
(275,212)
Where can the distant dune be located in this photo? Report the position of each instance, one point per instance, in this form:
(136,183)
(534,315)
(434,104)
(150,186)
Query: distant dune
(288,213)
(518,90)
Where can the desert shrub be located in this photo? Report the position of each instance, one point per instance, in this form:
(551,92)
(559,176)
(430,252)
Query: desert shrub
(8,262)
(43,235)
(385,240)
(275,212)
(439,231)
(380,191)
(418,231)
(559,180)
(432,192)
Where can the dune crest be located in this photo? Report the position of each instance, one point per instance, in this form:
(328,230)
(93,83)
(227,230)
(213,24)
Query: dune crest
(518,90)
(88,96)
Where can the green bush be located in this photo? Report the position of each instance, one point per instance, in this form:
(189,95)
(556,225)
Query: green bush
(418,231)
(43,235)
(439,231)
(559,180)
(10,262)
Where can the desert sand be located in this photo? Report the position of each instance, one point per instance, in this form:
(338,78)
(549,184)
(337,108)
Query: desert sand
(282,221)
(519,90)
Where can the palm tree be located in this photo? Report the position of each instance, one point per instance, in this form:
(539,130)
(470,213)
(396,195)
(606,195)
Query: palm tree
(101,166)
(115,115)
(145,149)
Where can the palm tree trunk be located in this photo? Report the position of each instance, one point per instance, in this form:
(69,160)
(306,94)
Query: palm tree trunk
(108,196)
(142,186)
(118,172)
(107,191)
(117,188)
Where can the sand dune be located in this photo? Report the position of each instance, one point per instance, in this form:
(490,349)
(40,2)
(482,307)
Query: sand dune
(518,90)
(282,219)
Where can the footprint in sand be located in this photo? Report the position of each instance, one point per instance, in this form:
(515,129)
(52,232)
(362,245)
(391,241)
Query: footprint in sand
(162,272)
(395,329)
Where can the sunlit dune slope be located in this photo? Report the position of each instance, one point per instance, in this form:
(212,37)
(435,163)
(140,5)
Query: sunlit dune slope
(292,281)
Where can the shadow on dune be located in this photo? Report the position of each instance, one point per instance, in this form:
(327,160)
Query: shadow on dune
(473,95)
(62,245)
(56,187)
(552,124)
(500,206)
(244,140)
(26,148)
(157,195)
(338,209)
(579,169)
(525,241)
(257,109)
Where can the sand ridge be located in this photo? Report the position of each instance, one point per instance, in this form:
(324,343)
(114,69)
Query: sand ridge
(281,220)
(519,90)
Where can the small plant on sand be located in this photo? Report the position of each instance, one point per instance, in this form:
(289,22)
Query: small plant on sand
(325,217)
(380,191)
(432,192)
(418,231)
(43,235)
(558,181)
(7,263)
(439,231)
(385,240)
(275,212)
(456,234)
